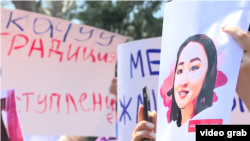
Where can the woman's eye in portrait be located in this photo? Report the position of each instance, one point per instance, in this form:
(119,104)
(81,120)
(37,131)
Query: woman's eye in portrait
(179,71)
(194,68)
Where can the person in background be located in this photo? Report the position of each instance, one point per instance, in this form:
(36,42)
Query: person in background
(146,129)
(113,87)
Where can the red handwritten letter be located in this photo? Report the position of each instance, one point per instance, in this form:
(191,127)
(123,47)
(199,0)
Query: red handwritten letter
(95,102)
(40,102)
(58,101)
(57,47)
(72,100)
(104,57)
(37,48)
(112,102)
(18,98)
(74,54)
(82,98)
(109,117)
(20,46)
(27,94)
(113,56)
(90,54)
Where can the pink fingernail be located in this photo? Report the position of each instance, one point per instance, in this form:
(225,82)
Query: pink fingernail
(150,125)
(223,27)
(152,134)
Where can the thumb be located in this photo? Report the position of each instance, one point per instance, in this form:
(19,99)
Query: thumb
(242,38)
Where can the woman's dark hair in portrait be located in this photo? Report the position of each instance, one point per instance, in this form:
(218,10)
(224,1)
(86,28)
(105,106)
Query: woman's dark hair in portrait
(209,82)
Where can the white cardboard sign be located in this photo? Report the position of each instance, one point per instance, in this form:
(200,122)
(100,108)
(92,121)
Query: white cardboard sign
(138,66)
(61,73)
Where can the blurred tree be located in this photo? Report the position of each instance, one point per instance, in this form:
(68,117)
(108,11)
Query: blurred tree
(3,3)
(60,9)
(31,6)
(131,18)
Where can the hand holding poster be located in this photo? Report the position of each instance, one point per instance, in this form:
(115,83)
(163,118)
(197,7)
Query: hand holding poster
(199,66)
(61,73)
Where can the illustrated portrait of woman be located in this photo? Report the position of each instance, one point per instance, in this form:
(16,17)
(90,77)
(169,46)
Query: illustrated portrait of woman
(194,78)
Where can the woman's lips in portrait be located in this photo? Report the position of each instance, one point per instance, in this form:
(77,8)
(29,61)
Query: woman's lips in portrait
(183,93)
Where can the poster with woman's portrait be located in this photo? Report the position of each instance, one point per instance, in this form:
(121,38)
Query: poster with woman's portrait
(199,66)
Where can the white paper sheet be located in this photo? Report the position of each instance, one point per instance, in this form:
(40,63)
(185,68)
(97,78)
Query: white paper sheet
(137,67)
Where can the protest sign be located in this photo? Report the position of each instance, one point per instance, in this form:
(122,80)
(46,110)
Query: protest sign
(135,59)
(138,66)
(61,73)
(10,118)
(199,66)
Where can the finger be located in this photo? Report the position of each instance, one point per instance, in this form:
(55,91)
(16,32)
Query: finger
(112,89)
(154,120)
(242,38)
(140,116)
(144,125)
(138,136)
(114,80)
(114,85)
(141,113)
(115,90)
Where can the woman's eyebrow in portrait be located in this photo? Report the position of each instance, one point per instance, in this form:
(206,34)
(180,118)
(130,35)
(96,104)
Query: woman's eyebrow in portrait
(192,60)
(181,63)
(195,59)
